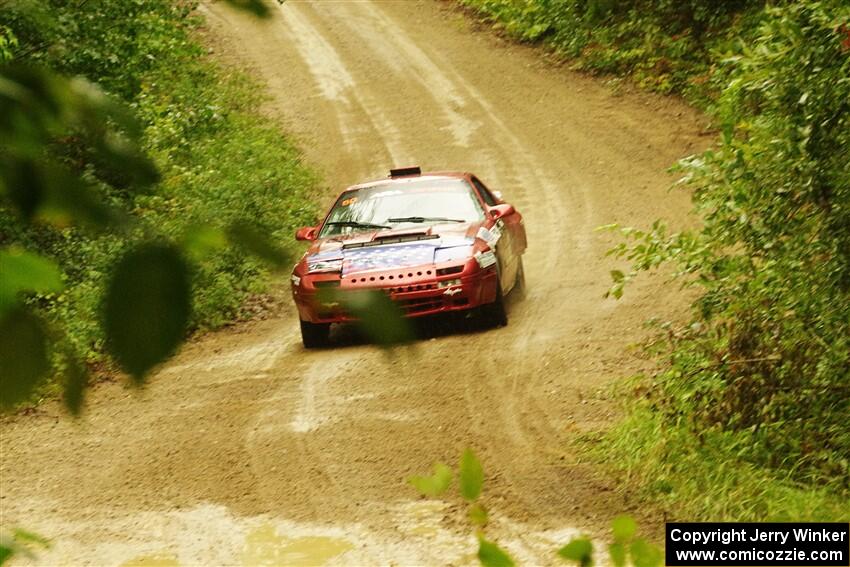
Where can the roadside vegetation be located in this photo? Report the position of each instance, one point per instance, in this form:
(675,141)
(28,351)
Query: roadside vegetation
(137,175)
(665,46)
(625,548)
(747,415)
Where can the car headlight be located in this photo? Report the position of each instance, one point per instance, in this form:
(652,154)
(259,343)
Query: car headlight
(320,266)
(296,281)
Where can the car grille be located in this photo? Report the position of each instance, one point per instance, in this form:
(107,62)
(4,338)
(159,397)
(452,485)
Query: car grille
(419,304)
(411,305)
(417,287)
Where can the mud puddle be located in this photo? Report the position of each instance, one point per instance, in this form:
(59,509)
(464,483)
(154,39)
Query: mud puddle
(212,535)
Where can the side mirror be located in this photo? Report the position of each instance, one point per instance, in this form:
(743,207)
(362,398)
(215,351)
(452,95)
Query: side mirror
(306,233)
(500,211)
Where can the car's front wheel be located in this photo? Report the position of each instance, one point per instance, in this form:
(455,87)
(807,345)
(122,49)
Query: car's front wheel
(495,314)
(315,335)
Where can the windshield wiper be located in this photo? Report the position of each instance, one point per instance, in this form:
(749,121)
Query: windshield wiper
(356,224)
(423,219)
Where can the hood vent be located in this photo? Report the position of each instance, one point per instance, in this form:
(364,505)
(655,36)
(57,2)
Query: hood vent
(391,239)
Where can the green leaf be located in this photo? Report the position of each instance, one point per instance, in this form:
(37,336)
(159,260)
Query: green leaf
(255,7)
(244,234)
(27,536)
(69,200)
(95,111)
(201,241)
(616,290)
(579,550)
(23,356)
(75,380)
(51,193)
(478,514)
(617,553)
(22,271)
(19,542)
(377,315)
(624,528)
(645,554)
(471,476)
(147,306)
(123,164)
(435,484)
(20,184)
(491,555)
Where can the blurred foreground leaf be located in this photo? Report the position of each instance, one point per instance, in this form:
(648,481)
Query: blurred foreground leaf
(25,271)
(471,475)
(75,380)
(477,514)
(147,306)
(243,234)
(435,484)
(122,163)
(201,241)
(579,550)
(20,542)
(377,316)
(23,356)
(491,555)
(645,554)
(617,553)
(38,108)
(255,7)
(48,192)
(624,528)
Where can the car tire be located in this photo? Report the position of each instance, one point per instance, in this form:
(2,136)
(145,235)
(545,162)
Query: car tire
(495,314)
(315,335)
(519,283)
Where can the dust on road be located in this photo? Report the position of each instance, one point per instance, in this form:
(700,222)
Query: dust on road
(246,449)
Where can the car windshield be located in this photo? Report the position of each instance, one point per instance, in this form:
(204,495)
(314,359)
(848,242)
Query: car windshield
(397,205)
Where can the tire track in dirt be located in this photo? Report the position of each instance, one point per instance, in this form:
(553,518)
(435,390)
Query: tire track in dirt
(336,84)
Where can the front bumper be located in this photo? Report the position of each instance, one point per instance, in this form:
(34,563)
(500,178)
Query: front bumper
(419,291)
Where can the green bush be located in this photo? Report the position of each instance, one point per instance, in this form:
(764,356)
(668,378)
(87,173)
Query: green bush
(748,414)
(761,374)
(219,160)
(668,46)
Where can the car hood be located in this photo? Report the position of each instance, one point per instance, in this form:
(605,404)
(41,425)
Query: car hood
(388,249)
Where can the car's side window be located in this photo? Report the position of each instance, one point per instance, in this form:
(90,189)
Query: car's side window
(485,193)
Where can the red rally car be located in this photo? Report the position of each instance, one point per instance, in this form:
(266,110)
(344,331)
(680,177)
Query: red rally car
(435,242)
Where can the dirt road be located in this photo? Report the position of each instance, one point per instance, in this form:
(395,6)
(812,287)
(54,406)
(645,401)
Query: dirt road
(248,450)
